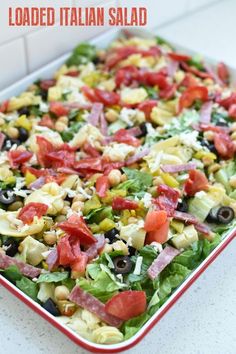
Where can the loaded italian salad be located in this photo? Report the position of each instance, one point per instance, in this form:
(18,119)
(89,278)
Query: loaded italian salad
(117,179)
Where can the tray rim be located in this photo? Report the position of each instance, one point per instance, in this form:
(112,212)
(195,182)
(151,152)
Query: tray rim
(14,89)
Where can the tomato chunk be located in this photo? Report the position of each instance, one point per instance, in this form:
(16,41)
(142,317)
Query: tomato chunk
(160,235)
(232,111)
(29,211)
(46,84)
(102,185)
(120,203)
(224,145)
(223,73)
(79,266)
(47,121)
(179,57)
(196,182)
(127,304)
(191,95)
(58,109)
(155,219)
(146,107)
(76,227)
(106,97)
(126,75)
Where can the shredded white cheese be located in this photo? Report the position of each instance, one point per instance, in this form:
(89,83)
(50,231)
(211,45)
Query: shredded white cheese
(138,265)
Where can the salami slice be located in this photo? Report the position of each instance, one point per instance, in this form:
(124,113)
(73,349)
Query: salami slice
(90,303)
(190,219)
(25,269)
(163,259)
(178,168)
(93,251)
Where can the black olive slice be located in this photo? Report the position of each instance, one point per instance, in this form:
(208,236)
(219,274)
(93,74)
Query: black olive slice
(212,216)
(143,128)
(122,264)
(23,134)
(50,306)
(225,215)
(112,234)
(11,247)
(24,111)
(183,206)
(7,197)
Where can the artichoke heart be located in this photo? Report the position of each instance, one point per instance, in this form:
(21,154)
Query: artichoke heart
(11,226)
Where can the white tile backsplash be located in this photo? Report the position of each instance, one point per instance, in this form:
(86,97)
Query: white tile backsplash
(37,46)
(12,62)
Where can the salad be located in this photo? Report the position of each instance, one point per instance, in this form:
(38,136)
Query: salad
(117,179)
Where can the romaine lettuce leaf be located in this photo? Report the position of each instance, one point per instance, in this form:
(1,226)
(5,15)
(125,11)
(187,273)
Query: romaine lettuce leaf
(54,277)
(132,326)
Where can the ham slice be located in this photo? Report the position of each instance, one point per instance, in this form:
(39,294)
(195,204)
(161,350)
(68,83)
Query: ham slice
(137,157)
(76,105)
(93,251)
(2,138)
(190,219)
(205,113)
(178,168)
(90,303)
(162,261)
(172,67)
(103,124)
(136,131)
(25,269)
(52,259)
(38,183)
(97,109)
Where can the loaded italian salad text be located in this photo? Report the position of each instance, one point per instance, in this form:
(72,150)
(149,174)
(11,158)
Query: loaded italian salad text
(117,179)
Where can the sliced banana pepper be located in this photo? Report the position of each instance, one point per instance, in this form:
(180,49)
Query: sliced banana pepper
(11,226)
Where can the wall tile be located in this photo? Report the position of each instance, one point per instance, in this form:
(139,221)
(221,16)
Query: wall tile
(47,44)
(12,62)
(159,11)
(194,4)
(9,32)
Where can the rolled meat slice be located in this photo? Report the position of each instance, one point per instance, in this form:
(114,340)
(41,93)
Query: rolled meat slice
(137,157)
(93,251)
(205,113)
(190,219)
(90,303)
(97,109)
(162,261)
(25,269)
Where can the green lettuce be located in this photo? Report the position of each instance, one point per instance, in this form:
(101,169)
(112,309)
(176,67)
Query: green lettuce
(132,326)
(54,277)
(142,180)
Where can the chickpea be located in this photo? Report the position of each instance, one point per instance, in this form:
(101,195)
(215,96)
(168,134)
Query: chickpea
(60,126)
(79,198)
(61,292)
(63,119)
(15,206)
(60,218)
(114,177)
(209,135)
(123,177)
(207,161)
(13,132)
(233,136)
(157,181)
(233,127)
(50,238)
(77,206)
(111,115)
(232,181)
(213,168)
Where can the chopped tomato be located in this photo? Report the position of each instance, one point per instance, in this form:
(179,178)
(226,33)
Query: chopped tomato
(189,81)
(223,73)
(79,266)
(127,304)
(147,107)
(120,203)
(168,199)
(155,219)
(76,227)
(4,106)
(191,95)
(168,92)
(65,253)
(109,166)
(154,79)
(232,111)
(160,235)
(58,109)
(106,97)
(196,182)
(124,136)
(211,127)
(179,57)
(72,73)
(102,185)
(46,84)
(61,158)
(126,75)
(18,157)
(194,71)
(224,145)
(47,121)
(29,211)
(89,93)
(227,102)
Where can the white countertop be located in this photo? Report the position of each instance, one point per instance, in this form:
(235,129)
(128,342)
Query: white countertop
(204,320)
